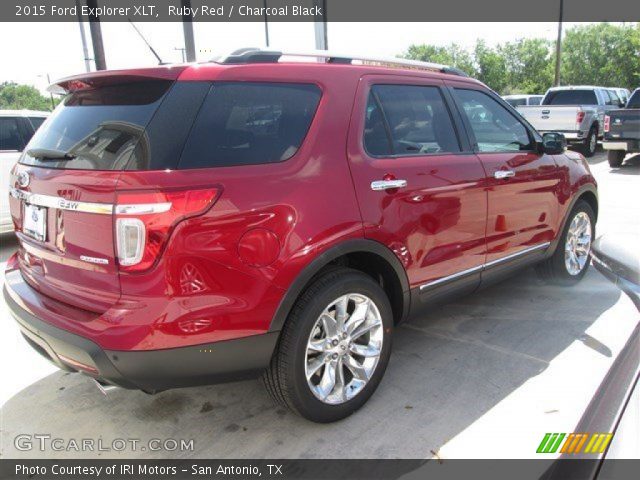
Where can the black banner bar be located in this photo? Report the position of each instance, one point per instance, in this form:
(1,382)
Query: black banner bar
(334,10)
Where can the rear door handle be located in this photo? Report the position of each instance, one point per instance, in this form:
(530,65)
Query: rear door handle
(387,184)
(500,174)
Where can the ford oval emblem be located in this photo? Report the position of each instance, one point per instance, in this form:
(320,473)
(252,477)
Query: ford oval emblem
(23,179)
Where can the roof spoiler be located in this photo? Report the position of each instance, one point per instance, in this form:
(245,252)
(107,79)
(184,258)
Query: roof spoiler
(113,77)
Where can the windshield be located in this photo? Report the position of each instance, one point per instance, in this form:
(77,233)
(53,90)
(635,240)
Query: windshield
(98,129)
(571,97)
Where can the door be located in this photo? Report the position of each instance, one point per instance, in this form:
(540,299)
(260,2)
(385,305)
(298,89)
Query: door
(419,187)
(522,184)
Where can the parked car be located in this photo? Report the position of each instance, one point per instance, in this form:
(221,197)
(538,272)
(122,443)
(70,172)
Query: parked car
(16,129)
(167,238)
(519,100)
(575,111)
(622,131)
(623,93)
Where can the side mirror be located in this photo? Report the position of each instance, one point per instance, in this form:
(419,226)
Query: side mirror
(553,143)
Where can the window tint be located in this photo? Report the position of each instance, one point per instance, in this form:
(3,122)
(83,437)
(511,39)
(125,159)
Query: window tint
(611,98)
(634,100)
(514,102)
(571,97)
(36,122)
(103,128)
(243,123)
(494,127)
(10,137)
(535,100)
(377,138)
(418,121)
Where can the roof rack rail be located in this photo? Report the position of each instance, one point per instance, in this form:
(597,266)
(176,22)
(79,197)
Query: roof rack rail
(256,55)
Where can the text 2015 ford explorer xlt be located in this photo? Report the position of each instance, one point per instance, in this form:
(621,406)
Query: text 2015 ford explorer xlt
(194,224)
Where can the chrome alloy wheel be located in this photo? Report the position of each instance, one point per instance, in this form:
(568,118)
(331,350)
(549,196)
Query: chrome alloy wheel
(578,244)
(593,142)
(344,348)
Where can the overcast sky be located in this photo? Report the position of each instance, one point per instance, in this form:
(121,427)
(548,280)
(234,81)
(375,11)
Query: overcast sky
(31,50)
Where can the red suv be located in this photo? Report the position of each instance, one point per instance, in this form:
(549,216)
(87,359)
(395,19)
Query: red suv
(188,225)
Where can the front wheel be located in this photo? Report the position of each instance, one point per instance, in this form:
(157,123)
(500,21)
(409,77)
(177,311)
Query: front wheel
(616,157)
(570,261)
(334,347)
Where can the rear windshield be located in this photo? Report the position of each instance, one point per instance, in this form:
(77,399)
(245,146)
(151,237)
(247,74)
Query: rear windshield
(634,101)
(571,97)
(97,129)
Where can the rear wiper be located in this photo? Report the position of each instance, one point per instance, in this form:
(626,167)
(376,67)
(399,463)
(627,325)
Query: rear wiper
(49,154)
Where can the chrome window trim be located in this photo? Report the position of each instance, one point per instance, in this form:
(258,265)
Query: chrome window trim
(484,266)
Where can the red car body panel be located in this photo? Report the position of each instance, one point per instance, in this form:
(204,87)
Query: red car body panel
(223,275)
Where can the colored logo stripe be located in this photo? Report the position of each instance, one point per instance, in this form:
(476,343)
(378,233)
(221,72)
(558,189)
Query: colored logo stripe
(574,442)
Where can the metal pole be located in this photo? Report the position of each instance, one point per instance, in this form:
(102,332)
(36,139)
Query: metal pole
(556,80)
(85,50)
(96,37)
(320,26)
(266,24)
(187,28)
(53,104)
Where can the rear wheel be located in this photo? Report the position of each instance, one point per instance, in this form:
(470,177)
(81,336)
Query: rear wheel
(334,347)
(590,142)
(616,157)
(570,261)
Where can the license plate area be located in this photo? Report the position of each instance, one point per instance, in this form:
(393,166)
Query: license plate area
(34,222)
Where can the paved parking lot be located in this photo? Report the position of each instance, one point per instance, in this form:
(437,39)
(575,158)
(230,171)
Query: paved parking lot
(495,369)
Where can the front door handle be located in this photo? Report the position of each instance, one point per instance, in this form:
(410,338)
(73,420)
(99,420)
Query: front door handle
(387,184)
(500,174)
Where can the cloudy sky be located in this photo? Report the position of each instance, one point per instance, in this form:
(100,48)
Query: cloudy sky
(31,50)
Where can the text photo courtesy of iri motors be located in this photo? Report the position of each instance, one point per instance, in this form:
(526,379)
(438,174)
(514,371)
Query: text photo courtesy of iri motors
(319,239)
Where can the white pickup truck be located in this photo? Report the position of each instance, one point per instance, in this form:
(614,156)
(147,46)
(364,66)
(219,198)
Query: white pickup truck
(577,112)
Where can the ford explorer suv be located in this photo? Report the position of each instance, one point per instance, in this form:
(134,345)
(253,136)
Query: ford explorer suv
(16,129)
(622,131)
(577,112)
(265,214)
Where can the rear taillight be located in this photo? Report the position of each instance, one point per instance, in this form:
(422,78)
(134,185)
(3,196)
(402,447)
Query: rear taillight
(579,117)
(607,123)
(144,220)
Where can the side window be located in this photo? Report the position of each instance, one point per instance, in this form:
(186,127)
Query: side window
(494,127)
(246,123)
(10,137)
(414,120)
(36,122)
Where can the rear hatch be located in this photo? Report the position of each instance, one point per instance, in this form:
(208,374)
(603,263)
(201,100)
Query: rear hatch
(63,190)
(623,124)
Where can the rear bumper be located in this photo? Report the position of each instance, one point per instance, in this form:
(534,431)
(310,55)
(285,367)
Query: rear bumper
(626,145)
(149,370)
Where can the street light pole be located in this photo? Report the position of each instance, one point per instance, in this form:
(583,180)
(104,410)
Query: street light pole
(556,80)
(85,50)
(96,37)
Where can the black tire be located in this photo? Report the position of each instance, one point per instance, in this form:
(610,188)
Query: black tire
(616,157)
(285,379)
(588,147)
(554,269)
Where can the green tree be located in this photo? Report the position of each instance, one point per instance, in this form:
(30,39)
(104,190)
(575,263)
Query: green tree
(17,97)
(602,54)
(490,66)
(528,65)
(452,55)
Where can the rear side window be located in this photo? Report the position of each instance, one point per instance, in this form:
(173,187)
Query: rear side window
(10,136)
(535,100)
(514,102)
(571,97)
(248,123)
(408,120)
(36,122)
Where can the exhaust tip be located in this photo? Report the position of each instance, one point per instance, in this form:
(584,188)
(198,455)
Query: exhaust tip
(104,388)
